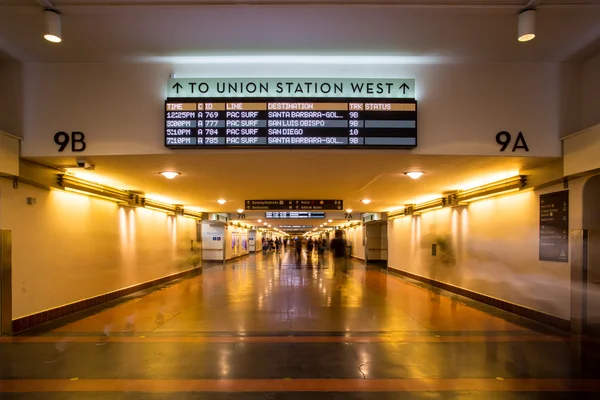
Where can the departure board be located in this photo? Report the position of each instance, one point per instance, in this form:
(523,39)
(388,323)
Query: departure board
(290,122)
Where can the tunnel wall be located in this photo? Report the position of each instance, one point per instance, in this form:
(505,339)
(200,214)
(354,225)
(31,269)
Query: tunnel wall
(69,247)
(354,238)
(494,249)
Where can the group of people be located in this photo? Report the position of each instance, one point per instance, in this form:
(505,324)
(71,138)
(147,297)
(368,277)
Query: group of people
(320,245)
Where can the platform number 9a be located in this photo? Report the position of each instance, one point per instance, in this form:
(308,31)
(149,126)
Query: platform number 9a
(504,138)
(77,140)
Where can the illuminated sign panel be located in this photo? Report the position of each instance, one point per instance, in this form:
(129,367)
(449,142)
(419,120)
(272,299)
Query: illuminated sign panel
(258,205)
(266,114)
(294,215)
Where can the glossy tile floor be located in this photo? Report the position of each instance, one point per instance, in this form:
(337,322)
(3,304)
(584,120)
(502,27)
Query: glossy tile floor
(267,327)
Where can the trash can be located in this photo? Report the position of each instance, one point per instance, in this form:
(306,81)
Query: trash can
(348,251)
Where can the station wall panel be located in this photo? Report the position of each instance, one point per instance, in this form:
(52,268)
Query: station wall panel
(119,107)
(68,247)
(491,248)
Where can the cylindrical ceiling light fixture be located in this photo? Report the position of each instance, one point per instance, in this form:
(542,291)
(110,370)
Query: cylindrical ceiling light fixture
(526,25)
(53,26)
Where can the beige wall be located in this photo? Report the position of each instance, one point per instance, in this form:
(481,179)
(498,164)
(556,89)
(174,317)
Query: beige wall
(230,252)
(69,247)
(354,237)
(467,104)
(495,246)
(11,97)
(591,92)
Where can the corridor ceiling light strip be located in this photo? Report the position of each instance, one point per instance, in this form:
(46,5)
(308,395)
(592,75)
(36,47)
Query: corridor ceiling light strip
(74,184)
(52,32)
(429,205)
(159,206)
(69,189)
(513,184)
(192,213)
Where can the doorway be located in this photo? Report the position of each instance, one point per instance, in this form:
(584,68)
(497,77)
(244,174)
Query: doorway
(591,223)
(376,251)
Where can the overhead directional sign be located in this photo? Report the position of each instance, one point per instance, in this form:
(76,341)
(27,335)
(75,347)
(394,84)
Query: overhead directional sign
(294,215)
(291,113)
(291,87)
(258,205)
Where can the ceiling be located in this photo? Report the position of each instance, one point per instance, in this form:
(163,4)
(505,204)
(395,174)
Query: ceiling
(348,175)
(426,31)
(442,30)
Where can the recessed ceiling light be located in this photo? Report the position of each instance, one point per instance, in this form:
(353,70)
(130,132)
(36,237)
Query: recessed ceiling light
(221,201)
(239,210)
(329,220)
(414,174)
(348,210)
(264,223)
(269,226)
(259,221)
(170,174)
(365,201)
(324,223)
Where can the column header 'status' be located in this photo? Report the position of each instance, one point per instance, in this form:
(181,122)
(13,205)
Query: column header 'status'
(291,87)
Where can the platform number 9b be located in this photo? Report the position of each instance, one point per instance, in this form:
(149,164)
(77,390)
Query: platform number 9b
(77,140)
(504,138)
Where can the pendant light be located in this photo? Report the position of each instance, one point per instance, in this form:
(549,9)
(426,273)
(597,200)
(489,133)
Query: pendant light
(52,31)
(526,25)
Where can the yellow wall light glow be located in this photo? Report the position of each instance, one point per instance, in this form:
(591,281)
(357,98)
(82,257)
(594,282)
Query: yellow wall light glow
(68,189)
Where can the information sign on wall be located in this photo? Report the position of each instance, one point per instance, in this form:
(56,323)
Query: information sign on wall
(291,113)
(554,227)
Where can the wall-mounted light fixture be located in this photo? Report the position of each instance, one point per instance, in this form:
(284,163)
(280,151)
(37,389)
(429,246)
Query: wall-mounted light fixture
(504,186)
(125,198)
(464,197)
(159,206)
(72,184)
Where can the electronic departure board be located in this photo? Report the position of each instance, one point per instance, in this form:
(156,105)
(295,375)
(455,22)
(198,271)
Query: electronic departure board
(290,122)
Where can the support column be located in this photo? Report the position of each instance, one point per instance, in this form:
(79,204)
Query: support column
(5,283)
(579,267)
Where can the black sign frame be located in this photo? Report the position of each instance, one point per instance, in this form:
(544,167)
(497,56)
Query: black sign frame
(413,114)
(294,205)
(310,214)
(554,227)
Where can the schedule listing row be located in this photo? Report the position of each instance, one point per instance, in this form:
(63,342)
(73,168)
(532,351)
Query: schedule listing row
(289,141)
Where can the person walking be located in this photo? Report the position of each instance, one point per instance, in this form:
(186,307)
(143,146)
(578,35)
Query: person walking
(340,263)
